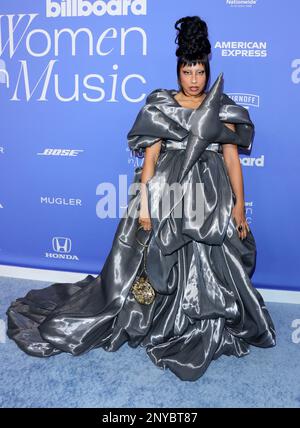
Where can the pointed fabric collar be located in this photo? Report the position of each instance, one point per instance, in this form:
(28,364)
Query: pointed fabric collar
(229,112)
(163,100)
(163,118)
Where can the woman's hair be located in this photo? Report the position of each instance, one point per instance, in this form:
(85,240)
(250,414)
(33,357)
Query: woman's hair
(193,44)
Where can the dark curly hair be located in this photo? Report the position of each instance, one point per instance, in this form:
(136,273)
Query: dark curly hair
(193,44)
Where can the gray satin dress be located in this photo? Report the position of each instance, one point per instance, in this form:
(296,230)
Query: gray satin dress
(205,303)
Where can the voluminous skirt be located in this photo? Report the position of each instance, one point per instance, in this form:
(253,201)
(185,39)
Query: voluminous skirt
(205,303)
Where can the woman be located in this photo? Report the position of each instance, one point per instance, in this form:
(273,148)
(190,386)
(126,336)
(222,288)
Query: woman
(198,261)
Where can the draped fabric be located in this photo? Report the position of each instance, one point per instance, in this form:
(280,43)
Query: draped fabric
(201,270)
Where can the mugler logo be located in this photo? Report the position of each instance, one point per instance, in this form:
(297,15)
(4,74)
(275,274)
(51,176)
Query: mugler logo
(72,8)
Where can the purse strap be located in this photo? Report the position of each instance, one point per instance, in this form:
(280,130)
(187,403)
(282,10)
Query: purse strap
(144,245)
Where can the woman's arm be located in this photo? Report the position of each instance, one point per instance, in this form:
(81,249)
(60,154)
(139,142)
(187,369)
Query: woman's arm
(150,160)
(233,165)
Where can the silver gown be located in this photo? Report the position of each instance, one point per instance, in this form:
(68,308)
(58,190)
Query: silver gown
(205,303)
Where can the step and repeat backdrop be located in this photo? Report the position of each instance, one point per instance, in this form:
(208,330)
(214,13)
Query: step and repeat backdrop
(73,76)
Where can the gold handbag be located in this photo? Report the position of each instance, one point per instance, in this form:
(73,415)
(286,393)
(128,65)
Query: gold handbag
(142,289)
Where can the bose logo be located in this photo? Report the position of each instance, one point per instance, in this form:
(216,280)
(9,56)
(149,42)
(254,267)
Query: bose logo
(60,152)
(69,8)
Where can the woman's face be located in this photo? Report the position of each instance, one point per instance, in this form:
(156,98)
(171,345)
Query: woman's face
(193,79)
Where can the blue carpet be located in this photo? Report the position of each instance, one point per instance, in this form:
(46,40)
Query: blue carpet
(128,378)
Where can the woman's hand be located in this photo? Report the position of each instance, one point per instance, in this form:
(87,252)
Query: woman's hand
(239,216)
(144,218)
(234,169)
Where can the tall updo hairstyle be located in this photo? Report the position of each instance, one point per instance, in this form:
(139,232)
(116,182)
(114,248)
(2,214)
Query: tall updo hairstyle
(193,45)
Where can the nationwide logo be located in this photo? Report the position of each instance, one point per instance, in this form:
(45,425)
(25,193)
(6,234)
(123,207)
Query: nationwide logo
(1,206)
(72,8)
(241,3)
(2,150)
(246,100)
(242,49)
(60,152)
(247,161)
(62,247)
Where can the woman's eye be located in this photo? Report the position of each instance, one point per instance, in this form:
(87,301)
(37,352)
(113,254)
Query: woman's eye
(200,72)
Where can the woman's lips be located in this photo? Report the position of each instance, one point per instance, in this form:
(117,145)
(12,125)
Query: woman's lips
(194,88)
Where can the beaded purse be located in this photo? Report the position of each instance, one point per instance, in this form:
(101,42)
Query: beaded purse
(142,289)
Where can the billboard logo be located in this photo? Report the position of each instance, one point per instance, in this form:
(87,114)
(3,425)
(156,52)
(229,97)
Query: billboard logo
(247,161)
(72,8)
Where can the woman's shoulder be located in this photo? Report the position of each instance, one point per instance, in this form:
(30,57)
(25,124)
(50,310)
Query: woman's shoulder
(158,95)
